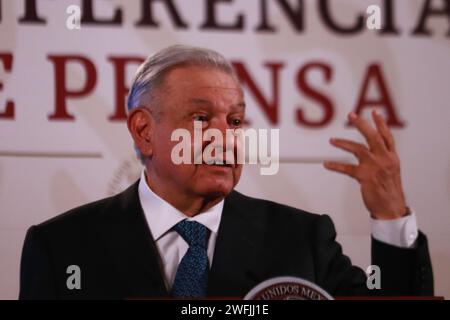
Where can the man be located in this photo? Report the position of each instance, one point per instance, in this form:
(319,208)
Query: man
(182,231)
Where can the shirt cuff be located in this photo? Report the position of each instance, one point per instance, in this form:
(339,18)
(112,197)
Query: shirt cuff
(401,232)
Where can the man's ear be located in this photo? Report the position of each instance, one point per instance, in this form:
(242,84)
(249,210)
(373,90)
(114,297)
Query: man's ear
(141,125)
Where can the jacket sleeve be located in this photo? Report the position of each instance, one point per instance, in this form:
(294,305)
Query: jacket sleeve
(36,276)
(404,272)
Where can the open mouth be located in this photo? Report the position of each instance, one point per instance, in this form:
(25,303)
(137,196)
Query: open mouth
(218,164)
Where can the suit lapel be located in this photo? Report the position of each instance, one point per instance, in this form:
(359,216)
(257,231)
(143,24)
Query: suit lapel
(131,245)
(236,263)
(238,257)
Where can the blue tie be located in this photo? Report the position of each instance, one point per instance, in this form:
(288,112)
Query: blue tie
(192,273)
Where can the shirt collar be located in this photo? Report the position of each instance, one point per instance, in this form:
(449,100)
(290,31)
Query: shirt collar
(161,216)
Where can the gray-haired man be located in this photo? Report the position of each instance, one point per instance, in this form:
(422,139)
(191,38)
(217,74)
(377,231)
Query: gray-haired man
(182,231)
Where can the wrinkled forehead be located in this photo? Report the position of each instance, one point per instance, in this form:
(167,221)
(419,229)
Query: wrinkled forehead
(203,87)
(197,77)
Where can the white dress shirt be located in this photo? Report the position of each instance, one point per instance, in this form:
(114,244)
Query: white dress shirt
(162,216)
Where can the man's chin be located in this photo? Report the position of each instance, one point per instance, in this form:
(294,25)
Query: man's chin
(216,190)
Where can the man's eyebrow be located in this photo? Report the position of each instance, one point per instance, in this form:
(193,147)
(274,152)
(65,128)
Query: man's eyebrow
(200,101)
(241,104)
(208,103)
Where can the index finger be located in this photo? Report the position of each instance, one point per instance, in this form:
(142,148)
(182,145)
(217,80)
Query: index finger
(371,135)
(384,130)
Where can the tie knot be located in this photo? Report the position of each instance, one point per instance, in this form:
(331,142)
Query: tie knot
(194,233)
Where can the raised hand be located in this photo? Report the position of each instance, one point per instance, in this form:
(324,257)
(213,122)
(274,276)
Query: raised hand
(378,170)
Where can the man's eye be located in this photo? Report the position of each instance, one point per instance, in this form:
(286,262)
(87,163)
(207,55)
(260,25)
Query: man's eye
(200,118)
(237,122)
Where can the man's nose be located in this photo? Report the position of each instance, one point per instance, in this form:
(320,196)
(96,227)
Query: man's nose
(227,141)
(221,124)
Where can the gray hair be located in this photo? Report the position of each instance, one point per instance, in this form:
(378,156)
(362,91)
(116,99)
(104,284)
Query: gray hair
(151,73)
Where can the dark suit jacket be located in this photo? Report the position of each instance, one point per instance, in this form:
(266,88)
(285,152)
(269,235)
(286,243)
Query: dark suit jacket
(257,239)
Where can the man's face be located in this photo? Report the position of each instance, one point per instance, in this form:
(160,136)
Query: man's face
(191,94)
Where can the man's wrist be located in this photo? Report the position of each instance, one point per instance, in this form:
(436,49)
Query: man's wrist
(392,215)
